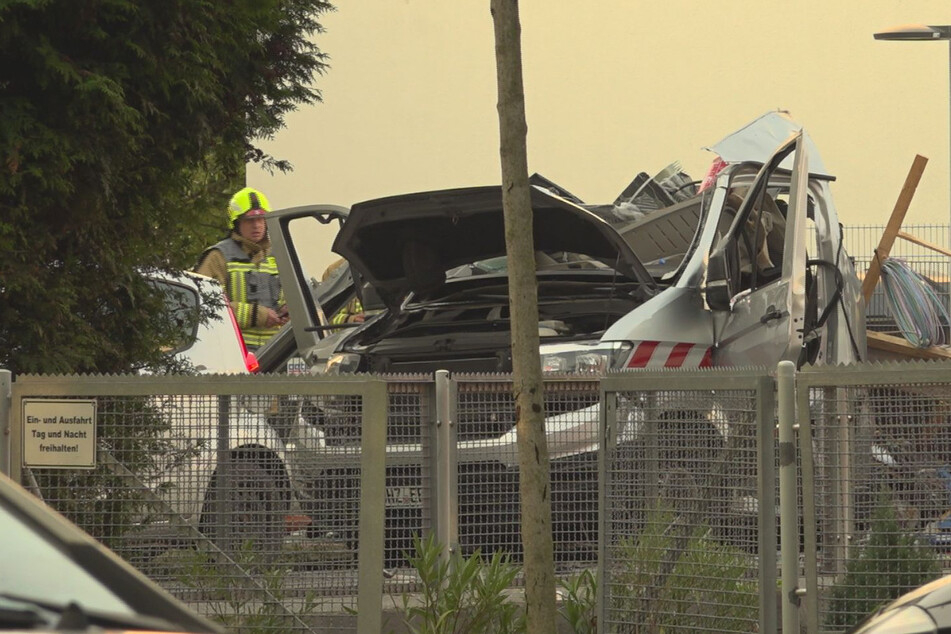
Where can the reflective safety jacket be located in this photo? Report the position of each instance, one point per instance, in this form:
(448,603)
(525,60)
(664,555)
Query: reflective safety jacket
(250,285)
(351,312)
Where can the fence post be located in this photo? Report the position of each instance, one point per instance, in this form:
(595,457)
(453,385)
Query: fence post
(372,509)
(845,525)
(809,523)
(788,513)
(6,436)
(445,482)
(607,428)
(223,480)
(766,494)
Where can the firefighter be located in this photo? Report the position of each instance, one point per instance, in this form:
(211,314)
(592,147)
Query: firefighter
(244,266)
(352,311)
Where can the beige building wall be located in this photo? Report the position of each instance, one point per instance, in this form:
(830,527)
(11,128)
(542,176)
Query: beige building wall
(614,87)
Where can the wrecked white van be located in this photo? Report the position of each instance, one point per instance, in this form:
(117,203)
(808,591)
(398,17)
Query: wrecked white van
(745,268)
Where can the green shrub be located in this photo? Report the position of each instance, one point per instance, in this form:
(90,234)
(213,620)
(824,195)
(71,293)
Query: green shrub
(461,595)
(887,565)
(673,576)
(579,602)
(473,595)
(245,594)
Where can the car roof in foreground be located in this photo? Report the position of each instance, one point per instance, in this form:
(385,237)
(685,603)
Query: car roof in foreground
(924,609)
(67,566)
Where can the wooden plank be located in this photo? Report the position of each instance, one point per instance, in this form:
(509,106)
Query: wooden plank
(923,243)
(893,226)
(900,346)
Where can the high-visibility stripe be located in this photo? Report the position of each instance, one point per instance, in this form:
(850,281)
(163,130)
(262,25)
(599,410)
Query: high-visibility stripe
(658,354)
(353,307)
(340,317)
(678,355)
(643,354)
(256,337)
(268,266)
(237,289)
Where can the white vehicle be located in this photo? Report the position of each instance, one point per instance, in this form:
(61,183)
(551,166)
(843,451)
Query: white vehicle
(212,347)
(258,492)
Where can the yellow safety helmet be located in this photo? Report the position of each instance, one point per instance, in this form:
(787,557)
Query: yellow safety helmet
(248,202)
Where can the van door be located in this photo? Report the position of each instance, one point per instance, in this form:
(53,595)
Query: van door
(765,242)
(288,229)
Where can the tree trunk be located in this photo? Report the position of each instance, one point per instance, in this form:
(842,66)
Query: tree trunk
(523,301)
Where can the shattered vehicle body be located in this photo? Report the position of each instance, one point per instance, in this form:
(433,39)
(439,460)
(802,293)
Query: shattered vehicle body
(674,287)
(746,268)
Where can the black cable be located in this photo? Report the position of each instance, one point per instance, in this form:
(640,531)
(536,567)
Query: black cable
(839,284)
(845,313)
(812,334)
(687,184)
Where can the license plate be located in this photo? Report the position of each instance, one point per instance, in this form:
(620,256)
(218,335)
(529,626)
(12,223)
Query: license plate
(404,497)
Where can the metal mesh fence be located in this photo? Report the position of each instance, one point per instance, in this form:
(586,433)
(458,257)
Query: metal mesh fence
(861,243)
(882,472)
(247,498)
(683,510)
(243,496)
(244,505)
(488,482)
(221,530)
(409,483)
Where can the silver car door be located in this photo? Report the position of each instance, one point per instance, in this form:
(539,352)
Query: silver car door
(308,321)
(763,323)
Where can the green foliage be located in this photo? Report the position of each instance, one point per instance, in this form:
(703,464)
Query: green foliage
(246,595)
(472,595)
(461,595)
(124,126)
(887,565)
(674,576)
(579,602)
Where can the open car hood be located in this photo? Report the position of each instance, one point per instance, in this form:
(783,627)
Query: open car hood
(405,243)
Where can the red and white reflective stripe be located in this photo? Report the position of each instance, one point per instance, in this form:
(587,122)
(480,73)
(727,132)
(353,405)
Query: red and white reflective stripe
(667,354)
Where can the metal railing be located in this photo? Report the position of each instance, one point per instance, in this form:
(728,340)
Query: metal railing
(252,498)
(688,489)
(211,485)
(875,442)
(696,468)
(293,501)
